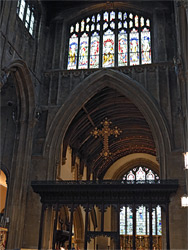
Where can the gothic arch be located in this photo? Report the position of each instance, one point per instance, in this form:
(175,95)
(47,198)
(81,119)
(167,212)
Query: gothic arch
(22,150)
(88,88)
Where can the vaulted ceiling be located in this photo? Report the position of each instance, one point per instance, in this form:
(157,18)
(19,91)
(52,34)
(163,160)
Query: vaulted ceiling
(136,136)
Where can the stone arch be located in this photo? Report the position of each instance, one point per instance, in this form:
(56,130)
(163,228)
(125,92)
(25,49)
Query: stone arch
(20,169)
(86,90)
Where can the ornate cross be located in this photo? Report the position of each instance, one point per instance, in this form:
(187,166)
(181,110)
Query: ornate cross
(105,132)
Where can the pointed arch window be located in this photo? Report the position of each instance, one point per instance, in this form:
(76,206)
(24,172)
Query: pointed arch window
(140,173)
(110,39)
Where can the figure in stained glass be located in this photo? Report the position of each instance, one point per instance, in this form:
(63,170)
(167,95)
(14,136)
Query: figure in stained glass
(134,47)
(83,53)
(94,51)
(108,49)
(73,48)
(122,48)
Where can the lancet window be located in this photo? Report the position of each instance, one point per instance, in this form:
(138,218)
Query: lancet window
(26,12)
(109,39)
(140,173)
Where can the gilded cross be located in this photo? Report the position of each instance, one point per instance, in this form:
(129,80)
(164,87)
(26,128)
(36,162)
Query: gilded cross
(105,132)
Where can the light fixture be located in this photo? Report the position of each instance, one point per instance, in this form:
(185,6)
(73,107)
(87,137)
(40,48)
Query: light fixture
(186,160)
(184,200)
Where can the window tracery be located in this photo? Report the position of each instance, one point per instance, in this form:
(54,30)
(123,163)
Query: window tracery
(109,39)
(140,173)
(26,13)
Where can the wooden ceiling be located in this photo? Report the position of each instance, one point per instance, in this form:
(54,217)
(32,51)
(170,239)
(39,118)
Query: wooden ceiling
(136,136)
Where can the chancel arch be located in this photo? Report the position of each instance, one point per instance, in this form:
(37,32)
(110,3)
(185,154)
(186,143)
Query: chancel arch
(85,91)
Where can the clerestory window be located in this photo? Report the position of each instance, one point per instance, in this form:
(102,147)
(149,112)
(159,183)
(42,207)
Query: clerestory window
(110,39)
(26,12)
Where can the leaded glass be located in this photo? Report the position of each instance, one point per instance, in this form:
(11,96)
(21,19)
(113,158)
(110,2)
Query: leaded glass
(134,47)
(130,24)
(141,220)
(124,15)
(141,21)
(87,27)
(28,12)
(120,15)
(93,19)
(71,29)
(112,25)
(92,27)
(140,174)
(125,24)
(32,21)
(108,49)
(150,175)
(153,222)
(136,21)
(159,225)
(82,25)
(94,51)
(73,49)
(122,221)
(122,48)
(112,15)
(131,16)
(146,46)
(119,25)
(105,25)
(129,221)
(134,42)
(130,176)
(105,16)
(148,22)
(22,8)
(98,17)
(83,52)
(77,27)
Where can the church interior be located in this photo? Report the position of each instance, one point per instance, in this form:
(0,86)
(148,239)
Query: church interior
(94,125)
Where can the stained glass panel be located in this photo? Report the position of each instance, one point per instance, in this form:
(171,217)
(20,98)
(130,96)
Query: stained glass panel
(159,225)
(98,17)
(71,29)
(108,49)
(112,25)
(82,25)
(150,175)
(28,12)
(105,25)
(125,24)
(122,221)
(93,19)
(141,220)
(92,27)
(73,50)
(77,27)
(112,15)
(146,46)
(131,16)
(141,21)
(134,47)
(140,174)
(87,20)
(130,24)
(148,22)
(83,52)
(94,51)
(105,16)
(153,222)
(122,48)
(120,15)
(119,25)
(129,221)
(98,26)
(130,176)
(136,21)
(87,27)
(125,16)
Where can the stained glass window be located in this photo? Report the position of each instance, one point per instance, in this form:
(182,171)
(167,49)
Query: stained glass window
(94,51)
(83,52)
(122,48)
(140,173)
(108,49)
(73,49)
(131,31)
(25,11)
